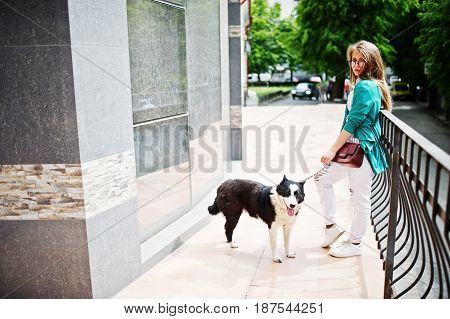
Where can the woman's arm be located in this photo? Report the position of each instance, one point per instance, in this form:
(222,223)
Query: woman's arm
(329,155)
(362,101)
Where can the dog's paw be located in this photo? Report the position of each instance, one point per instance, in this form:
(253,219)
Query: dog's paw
(290,254)
(277,260)
(234,244)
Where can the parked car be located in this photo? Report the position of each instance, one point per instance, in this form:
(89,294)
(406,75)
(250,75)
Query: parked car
(253,77)
(305,89)
(400,90)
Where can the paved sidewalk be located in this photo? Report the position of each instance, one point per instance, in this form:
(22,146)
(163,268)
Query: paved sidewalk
(420,118)
(206,267)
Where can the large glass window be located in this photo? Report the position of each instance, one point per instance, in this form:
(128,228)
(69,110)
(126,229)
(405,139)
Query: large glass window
(157,38)
(157,42)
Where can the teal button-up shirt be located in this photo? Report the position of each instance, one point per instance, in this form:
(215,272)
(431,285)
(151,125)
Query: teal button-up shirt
(365,111)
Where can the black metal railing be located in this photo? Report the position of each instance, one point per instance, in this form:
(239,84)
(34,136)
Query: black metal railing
(410,206)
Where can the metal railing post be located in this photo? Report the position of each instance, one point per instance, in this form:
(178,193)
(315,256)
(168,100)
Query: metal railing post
(390,250)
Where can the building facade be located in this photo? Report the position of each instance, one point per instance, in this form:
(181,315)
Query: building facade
(114,125)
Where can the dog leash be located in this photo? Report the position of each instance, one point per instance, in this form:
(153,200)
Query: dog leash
(318,174)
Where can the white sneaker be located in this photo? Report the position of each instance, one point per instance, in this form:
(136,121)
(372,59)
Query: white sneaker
(331,235)
(346,249)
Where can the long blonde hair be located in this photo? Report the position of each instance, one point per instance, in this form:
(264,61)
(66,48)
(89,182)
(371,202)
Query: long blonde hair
(373,69)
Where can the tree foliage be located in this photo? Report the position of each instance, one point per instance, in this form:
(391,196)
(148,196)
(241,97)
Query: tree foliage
(434,42)
(407,63)
(326,28)
(264,51)
(409,34)
(285,32)
(272,38)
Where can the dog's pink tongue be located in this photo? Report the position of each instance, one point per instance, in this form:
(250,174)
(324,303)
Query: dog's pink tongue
(290,211)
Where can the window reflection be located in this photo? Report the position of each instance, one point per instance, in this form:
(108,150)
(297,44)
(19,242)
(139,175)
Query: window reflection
(157,41)
(157,46)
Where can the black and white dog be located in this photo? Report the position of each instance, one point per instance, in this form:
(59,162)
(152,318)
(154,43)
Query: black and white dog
(275,205)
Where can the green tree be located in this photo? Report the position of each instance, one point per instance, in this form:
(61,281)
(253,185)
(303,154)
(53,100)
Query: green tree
(406,63)
(285,32)
(264,46)
(326,28)
(434,44)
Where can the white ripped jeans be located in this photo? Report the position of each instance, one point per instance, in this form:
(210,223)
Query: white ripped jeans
(360,188)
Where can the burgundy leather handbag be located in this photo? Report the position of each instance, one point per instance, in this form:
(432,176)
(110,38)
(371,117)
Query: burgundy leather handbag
(349,155)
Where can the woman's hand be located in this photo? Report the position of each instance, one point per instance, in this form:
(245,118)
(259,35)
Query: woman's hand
(327,157)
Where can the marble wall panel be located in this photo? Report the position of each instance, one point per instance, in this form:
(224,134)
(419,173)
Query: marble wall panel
(44,259)
(101,72)
(103,104)
(235,71)
(234,13)
(37,106)
(98,23)
(31,23)
(67,168)
(114,248)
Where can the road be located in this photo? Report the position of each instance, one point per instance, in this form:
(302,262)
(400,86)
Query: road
(415,115)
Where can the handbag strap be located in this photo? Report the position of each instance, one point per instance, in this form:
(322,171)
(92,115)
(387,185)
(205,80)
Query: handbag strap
(372,127)
(325,168)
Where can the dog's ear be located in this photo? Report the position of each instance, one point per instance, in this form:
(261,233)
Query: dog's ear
(284,178)
(302,182)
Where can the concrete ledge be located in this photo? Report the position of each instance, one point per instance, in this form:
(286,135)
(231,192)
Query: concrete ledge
(272,97)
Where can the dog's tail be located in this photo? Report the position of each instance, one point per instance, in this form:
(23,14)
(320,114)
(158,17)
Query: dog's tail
(214,209)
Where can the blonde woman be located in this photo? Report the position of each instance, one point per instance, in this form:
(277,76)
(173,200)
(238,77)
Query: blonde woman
(360,125)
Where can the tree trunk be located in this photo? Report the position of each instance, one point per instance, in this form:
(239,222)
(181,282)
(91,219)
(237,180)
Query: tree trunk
(433,99)
(446,108)
(338,88)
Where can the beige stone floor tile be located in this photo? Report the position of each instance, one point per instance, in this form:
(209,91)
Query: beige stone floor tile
(300,295)
(344,294)
(293,286)
(256,292)
(338,273)
(270,273)
(339,284)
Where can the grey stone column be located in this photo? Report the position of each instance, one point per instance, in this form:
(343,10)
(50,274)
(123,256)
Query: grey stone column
(68,225)
(225,76)
(234,27)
